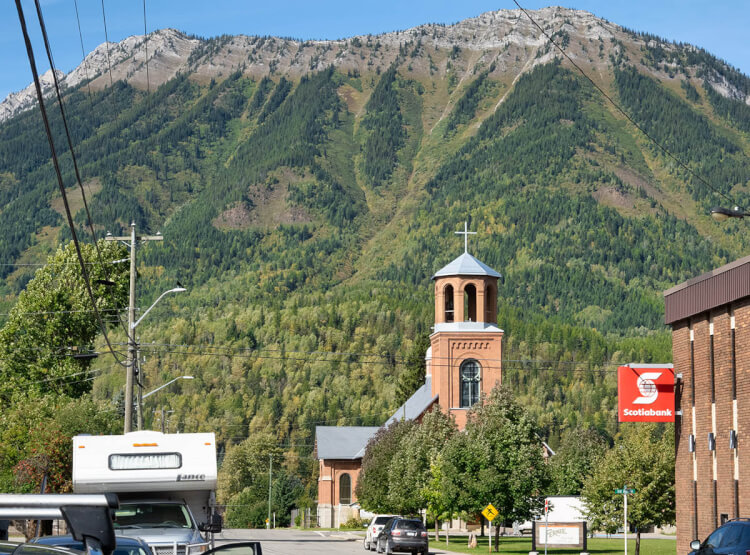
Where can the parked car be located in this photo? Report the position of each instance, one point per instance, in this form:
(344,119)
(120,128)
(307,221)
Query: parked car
(7,547)
(403,534)
(124,546)
(730,538)
(374,528)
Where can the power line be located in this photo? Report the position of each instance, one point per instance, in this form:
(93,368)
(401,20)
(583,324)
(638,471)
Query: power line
(106,43)
(145,41)
(622,111)
(83,51)
(56,164)
(60,103)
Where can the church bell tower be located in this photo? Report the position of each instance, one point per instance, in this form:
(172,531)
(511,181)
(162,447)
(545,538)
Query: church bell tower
(464,359)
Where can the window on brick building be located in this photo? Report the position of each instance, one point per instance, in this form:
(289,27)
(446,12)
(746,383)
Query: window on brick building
(470,377)
(345,489)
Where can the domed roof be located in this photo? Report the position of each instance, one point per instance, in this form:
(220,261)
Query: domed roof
(466,265)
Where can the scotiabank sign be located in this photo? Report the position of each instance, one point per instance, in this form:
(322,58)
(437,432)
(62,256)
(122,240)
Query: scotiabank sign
(645,393)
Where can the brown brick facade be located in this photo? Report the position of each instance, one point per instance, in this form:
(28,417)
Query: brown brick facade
(711,350)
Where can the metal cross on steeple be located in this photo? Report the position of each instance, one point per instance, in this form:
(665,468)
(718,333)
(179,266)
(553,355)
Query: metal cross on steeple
(466,234)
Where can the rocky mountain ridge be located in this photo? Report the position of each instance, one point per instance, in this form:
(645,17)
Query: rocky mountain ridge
(505,40)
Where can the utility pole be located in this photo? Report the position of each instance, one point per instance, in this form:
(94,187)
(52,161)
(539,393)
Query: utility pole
(132,363)
(270,467)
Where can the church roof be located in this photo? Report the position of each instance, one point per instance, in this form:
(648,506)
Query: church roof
(415,405)
(466,265)
(343,442)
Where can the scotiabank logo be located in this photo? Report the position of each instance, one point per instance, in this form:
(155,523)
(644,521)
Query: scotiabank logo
(645,394)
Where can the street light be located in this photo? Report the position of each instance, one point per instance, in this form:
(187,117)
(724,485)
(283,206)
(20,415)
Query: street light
(721,214)
(132,357)
(175,290)
(166,384)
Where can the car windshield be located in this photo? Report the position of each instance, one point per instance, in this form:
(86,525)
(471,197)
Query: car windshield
(409,525)
(151,515)
(380,520)
(129,550)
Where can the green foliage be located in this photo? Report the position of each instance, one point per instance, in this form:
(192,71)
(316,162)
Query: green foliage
(575,460)
(355,524)
(409,469)
(412,377)
(36,437)
(372,485)
(244,482)
(52,322)
(318,293)
(642,459)
(385,124)
(690,92)
(734,110)
(497,460)
(467,105)
(685,133)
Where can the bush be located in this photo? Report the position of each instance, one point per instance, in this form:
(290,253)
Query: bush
(355,523)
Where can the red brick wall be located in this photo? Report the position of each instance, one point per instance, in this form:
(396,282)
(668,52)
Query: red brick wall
(711,506)
(742,355)
(328,479)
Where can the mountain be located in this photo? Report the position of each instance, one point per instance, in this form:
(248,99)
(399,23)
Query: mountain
(308,190)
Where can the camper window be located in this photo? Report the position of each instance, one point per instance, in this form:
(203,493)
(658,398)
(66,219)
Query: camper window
(151,461)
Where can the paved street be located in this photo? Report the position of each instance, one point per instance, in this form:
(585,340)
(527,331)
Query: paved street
(302,542)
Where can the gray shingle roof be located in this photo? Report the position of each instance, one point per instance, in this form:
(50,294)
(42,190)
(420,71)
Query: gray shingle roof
(416,404)
(466,265)
(343,442)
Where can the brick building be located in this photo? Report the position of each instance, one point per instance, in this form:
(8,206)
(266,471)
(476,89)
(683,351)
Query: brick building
(462,363)
(710,319)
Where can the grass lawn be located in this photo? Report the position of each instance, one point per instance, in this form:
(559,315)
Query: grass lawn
(522,546)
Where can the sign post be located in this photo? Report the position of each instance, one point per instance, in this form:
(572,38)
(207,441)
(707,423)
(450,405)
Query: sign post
(625,491)
(546,524)
(490,513)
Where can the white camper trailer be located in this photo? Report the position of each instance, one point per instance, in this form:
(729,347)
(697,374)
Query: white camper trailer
(165,483)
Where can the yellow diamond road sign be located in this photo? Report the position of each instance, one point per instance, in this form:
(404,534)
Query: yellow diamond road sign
(490,512)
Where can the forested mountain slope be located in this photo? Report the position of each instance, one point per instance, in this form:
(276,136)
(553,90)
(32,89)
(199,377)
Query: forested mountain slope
(308,191)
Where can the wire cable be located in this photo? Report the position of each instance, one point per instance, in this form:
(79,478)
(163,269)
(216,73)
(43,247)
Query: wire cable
(145,42)
(622,111)
(61,104)
(56,164)
(83,51)
(106,43)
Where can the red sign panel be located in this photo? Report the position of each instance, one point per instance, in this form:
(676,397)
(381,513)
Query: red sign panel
(645,393)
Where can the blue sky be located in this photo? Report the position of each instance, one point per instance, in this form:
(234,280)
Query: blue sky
(719,26)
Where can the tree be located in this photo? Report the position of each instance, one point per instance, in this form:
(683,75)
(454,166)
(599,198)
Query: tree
(575,460)
(245,467)
(409,469)
(372,484)
(53,321)
(36,434)
(498,460)
(642,459)
(413,375)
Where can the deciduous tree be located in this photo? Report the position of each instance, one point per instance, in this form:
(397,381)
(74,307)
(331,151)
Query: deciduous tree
(642,459)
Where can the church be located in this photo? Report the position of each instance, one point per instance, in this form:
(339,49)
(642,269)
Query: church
(462,363)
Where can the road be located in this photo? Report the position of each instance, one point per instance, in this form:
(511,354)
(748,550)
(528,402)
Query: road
(303,542)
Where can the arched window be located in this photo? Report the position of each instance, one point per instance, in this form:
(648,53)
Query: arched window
(470,303)
(470,377)
(345,489)
(448,298)
(490,303)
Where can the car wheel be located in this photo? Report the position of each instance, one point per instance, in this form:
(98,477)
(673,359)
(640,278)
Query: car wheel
(367,546)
